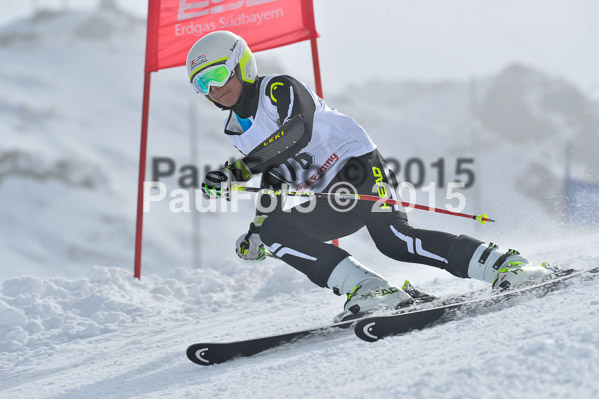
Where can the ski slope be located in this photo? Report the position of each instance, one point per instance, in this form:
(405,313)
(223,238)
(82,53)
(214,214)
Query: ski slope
(108,336)
(74,323)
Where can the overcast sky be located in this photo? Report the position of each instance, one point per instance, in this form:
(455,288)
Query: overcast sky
(427,39)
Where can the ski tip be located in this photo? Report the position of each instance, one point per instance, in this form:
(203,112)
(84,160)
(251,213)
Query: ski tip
(366,331)
(198,353)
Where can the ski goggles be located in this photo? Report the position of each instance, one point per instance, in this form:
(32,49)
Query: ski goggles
(214,76)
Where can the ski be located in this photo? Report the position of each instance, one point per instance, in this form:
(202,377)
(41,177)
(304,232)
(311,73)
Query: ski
(376,327)
(209,353)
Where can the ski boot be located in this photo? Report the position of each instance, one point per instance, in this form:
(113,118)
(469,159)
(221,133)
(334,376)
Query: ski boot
(506,270)
(370,295)
(517,273)
(366,291)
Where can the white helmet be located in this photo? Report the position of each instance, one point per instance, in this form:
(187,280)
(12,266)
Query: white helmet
(222,47)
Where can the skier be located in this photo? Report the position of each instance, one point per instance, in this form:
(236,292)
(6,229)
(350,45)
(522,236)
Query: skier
(290,136)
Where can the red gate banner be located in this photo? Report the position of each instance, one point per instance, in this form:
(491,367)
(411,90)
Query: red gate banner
(175,25)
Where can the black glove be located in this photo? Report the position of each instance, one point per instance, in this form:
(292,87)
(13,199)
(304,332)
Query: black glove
(217,182)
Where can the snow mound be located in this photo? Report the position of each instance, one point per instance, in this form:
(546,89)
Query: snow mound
(35,312)
(57,310)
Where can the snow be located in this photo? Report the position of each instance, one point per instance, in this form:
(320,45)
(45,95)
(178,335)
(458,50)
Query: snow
(74,323)
(108,335)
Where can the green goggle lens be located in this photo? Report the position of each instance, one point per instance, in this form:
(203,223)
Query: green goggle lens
(215,76)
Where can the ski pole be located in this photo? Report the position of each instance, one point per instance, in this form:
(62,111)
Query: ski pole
(390,201)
